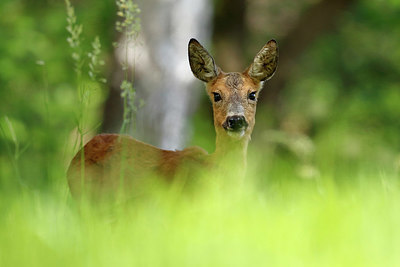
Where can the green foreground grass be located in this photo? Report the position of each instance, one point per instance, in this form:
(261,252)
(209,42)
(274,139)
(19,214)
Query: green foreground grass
(223,223)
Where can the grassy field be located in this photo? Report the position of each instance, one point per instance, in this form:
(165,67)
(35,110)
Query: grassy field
(223,222)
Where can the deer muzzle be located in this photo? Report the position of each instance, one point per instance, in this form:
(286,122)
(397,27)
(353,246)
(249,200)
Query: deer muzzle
(235,123)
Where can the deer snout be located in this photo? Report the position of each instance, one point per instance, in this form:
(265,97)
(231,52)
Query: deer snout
(235,123)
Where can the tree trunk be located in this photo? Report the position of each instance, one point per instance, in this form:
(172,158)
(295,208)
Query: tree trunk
(163,80)
(317,20)
(230,34)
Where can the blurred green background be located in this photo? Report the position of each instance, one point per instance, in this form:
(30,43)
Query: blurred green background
(324,157)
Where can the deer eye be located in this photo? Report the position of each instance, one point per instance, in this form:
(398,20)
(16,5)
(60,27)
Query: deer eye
(252,96)
(217,97)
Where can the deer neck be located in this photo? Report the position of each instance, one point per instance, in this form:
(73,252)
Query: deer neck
(232,150)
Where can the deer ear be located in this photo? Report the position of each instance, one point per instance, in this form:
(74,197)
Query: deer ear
(265,62)
(201,62)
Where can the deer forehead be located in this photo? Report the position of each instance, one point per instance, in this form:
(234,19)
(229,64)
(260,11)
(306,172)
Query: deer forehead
(233,83)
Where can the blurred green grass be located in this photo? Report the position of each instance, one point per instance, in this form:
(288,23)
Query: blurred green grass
(224,223)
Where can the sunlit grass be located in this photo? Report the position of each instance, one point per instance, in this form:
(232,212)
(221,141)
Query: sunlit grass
(222,223)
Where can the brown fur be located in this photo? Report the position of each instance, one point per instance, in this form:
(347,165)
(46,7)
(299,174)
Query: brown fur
(234,80)
(108,157)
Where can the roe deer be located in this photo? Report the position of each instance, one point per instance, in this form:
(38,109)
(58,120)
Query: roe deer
(108,157)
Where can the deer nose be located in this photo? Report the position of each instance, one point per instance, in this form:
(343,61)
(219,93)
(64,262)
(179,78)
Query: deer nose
(236,122)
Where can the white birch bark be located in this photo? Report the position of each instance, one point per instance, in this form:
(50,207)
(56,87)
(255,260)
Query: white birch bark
(163,79)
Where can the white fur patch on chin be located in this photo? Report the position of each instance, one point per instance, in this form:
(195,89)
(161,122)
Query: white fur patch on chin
(236,135)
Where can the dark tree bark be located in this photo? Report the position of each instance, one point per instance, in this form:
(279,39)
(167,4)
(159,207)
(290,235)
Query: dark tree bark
(317,20)
(113,112)
(229,34)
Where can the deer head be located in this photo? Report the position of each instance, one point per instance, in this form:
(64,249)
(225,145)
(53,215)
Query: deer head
(233,95)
